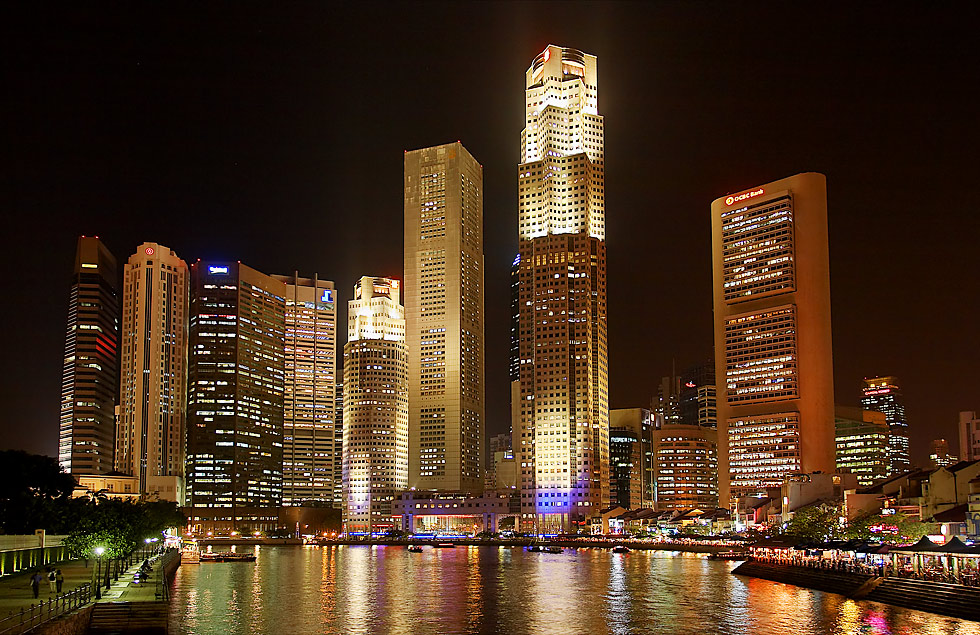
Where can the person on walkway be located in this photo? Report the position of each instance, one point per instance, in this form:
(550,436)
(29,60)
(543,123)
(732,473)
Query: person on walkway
(59,579)
(36,582)
(52,581)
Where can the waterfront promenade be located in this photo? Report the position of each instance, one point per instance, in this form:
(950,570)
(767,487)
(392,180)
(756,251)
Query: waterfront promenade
(18,605)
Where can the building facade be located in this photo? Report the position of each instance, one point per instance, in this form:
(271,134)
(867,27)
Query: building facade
(375,434)
(236,380)
(632,463)
(562,440)
(310,451)
(884,394)
(150,436)
(686,467)
(90,371)
(969,433)
(861,437)
(774,361)
(940,456)
(698,403)
(444,318)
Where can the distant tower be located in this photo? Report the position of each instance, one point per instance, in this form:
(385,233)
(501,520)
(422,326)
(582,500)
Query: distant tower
(236,380)
(375,447)
(562,441)
(884,394)
(309,446)
(774,364)
(90,374)
(150,437)
(444,317)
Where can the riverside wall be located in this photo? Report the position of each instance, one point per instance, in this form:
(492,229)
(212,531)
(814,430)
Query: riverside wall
(952,600)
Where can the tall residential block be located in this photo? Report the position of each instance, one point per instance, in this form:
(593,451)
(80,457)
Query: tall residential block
(310,451)
(150,434)
(862,444)
(563,436)
(236,380)
(772,334)
(90,372)
(444,318)
(375,435)
(884,394)
(969,433)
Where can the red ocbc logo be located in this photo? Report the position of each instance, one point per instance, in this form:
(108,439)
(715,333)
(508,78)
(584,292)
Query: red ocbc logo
(731,200)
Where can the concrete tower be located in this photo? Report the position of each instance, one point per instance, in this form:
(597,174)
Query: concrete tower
(90,374)
(310,453)
(562,440)
(150,434)
(375,435)
(444,318)
(773,362)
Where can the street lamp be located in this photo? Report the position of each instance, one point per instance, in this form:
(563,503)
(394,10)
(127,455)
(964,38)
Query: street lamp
(98,576)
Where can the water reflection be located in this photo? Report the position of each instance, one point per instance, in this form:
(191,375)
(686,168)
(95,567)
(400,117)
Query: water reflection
(367,590)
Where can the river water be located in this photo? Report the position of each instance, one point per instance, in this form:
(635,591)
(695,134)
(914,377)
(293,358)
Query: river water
(364,589)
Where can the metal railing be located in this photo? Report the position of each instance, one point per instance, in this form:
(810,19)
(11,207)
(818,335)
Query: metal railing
(37,614)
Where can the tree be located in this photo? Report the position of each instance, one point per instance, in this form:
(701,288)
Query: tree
(33,493)
(894,528)
(120,526)
(816,523)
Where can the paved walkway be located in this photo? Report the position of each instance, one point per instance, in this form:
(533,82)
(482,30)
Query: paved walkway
(16,594)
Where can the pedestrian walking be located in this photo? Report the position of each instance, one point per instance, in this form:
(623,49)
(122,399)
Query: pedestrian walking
(36,582)
(59,579)
(52,581)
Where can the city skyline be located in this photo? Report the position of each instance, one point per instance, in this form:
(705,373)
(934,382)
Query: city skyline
(861,239)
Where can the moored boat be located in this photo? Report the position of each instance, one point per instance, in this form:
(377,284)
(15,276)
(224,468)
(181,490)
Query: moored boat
(415,548)
(227,556)
(444,545)
(621,549)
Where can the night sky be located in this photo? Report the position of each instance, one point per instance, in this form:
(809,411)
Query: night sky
(275,135)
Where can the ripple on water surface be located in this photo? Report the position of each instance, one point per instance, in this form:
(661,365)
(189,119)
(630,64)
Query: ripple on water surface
(375,590)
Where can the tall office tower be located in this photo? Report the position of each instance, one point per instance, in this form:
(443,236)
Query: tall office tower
(150,437)
(862,444)
(563,436)
(90,374)
(697,400)
(444,318)
(375,442)
(309,443)
(969,427)
(632,458)
(884,394)
(236,380)
(667,404)
(772,334)
(686,463)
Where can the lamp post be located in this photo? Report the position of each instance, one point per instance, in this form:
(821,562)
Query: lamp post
(98,576)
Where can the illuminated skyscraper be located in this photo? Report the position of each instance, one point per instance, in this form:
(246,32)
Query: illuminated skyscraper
(150,437)
(310,452)
(774,366)
(444,317)
(862,444)
(884,394)
(90,374)
(236,379)
(562,440)
(375,441)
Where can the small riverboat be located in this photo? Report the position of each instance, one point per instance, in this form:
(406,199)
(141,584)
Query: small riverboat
(534,548)
(227,556)
(621,549)
(553,549)
(415,548)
